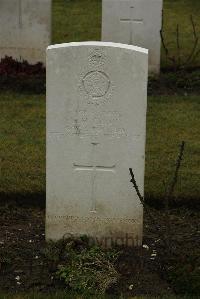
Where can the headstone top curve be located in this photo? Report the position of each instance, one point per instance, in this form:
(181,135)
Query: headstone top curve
(99,44)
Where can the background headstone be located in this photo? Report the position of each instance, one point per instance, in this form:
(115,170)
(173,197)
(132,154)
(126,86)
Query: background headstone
(25,29)
(96,123)
(134,22)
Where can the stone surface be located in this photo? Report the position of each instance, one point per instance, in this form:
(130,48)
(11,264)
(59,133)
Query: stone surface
(25,29)
(135,22)
(96,123)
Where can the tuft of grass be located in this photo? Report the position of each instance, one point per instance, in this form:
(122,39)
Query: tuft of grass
(84,268)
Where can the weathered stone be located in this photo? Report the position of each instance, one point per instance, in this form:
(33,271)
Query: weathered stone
(134,22)
(25,29)
(96,123)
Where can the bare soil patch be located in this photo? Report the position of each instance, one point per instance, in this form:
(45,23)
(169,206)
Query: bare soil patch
(154,269)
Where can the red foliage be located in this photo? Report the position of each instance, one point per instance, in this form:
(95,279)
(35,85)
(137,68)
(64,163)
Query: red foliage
(11,67)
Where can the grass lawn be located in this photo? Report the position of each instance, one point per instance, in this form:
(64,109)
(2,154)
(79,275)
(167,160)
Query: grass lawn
(80,20)
(22,147)
(178,12)
(170,120)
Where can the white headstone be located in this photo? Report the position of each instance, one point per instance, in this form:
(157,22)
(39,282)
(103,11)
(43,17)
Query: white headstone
(25,29)
(134,22)
(96,123)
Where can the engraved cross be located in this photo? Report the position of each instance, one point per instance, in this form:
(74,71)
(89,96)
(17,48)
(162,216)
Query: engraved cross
(131,20)
(94,168)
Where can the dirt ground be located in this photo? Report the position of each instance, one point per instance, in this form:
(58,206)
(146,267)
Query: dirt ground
(168,263)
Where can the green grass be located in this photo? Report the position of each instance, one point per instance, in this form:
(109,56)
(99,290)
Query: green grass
(170,120)
(179,12)
(22,147)
(76,20)
(80,20)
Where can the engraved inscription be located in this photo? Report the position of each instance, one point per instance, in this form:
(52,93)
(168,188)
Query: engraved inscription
(96,83)
(102,123)
(92,218)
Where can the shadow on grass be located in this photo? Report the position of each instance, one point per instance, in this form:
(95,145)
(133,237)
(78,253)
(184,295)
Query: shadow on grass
(24,199)
(38,199)
(159,203)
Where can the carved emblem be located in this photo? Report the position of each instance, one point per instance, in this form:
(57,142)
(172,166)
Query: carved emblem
(96,84)
(97,58)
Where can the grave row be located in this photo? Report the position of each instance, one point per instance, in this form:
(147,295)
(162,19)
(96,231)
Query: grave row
(96,115)
(25,27)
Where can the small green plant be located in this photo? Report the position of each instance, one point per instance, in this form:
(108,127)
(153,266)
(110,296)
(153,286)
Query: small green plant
(88,269)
